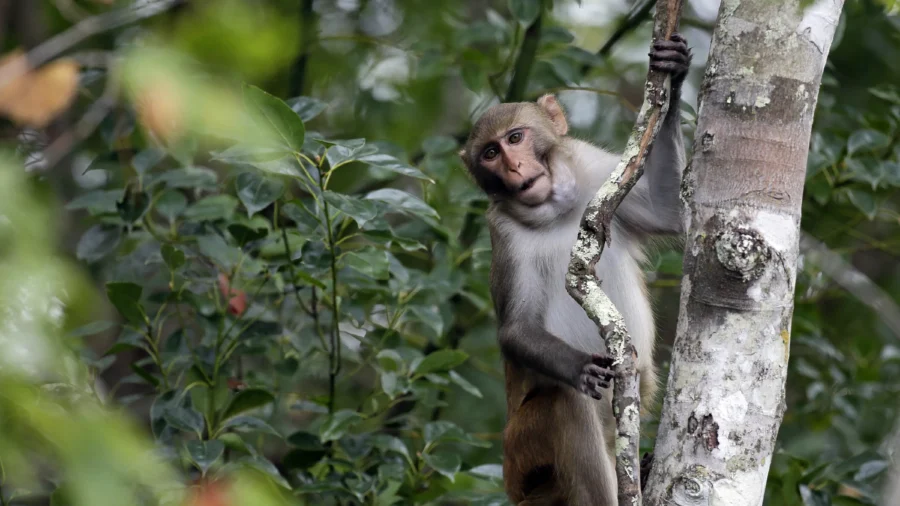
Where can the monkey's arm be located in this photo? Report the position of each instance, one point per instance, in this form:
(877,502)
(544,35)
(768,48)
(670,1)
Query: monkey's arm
(532,346)
(653,206)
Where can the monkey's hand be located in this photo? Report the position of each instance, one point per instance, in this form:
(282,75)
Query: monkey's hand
(596,375)
(672,56)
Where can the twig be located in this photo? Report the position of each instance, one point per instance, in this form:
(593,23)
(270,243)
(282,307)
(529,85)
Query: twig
(81,31)
(634,18)
(594,235)
(308,39)
(525,60)
(852,280)
(92,118)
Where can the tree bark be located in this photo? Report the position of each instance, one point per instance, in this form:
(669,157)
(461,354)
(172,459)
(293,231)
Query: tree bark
(743,192)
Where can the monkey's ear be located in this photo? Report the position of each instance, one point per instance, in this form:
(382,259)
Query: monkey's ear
(557,116)
(462,155)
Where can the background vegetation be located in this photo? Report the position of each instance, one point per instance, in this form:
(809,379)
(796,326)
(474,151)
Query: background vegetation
(242,263)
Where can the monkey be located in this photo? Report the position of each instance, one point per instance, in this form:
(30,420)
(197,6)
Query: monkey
(558,441)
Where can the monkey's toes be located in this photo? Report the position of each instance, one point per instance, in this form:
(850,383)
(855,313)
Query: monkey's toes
(603,360)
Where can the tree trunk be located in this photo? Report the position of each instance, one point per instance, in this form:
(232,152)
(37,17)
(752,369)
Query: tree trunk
(743,193)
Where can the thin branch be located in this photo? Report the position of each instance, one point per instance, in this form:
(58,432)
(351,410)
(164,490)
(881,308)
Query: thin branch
(308,39)
(639,12)
(82,30)
(525,60)
(852,280)
(581,280)
(62,146)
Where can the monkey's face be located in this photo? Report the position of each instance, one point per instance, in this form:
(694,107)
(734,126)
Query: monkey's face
(509,148)
(513,157)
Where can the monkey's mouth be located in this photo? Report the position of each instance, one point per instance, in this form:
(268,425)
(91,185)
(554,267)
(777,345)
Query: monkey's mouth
(529,183)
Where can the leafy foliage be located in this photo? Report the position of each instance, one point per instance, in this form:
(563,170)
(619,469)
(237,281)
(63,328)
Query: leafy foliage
(282,268)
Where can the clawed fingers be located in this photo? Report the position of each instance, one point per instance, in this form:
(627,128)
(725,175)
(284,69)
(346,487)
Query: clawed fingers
(669,55)
(677,37)
(598,372)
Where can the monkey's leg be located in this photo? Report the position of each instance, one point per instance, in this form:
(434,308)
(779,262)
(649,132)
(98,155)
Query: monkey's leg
(554,453)
(586,464)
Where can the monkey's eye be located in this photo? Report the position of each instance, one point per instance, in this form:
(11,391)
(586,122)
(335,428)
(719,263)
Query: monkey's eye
(515,137)
(490,153)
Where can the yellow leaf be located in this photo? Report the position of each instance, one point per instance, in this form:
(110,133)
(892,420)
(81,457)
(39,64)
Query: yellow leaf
(159,107)
(34,97)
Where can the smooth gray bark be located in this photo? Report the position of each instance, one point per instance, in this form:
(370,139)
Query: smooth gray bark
(743,192)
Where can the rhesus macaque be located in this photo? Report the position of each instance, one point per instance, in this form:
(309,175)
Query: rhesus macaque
(558,440)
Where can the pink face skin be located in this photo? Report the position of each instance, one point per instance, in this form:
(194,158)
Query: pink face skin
(511,157)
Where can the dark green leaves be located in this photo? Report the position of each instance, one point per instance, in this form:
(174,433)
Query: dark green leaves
(126,298)
(246,400)
(441,360)
(360,210)
(257,192)
(401,201)
(97,242)
(205,453)
(337,424)
(173,257)
(283,124)
(525,11)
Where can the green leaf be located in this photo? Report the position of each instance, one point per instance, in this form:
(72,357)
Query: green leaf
(464,384)
(447,464)
(214,208)
(215,248)
(271,160)
(126,298)
(246,400)
(439,145)
(488,471)
(257,192)
(337,424)
(387,443)
(306,107)
(368,261)
(344,151)
(305,441)
(265,466)
(144,374)
(404,202)
(147,159)
(97,242)
(391,164)
(188,178)
(184,418)
(91,329)
(429,316)
(441,360)
(443,431)
(525,11)
(391,361)
(870,470)
(393,385)
(864,201)
(244,234)
(867,140)
(245,423)
(171,204)
(205,453)
(275,115)
(359,210)
(868,170)
(172,256)
(96,202)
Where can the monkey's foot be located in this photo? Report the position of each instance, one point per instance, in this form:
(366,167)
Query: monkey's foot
(646,465)
(672,56)
(596,375)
